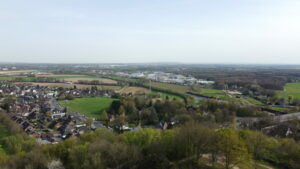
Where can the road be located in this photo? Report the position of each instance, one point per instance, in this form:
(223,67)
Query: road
(279,119)
(55,105)
(249,120)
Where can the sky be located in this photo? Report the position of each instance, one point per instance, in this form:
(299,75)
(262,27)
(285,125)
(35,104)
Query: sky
(137,31)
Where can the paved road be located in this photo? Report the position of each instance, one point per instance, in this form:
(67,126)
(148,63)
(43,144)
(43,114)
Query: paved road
(279,119)
(55,105)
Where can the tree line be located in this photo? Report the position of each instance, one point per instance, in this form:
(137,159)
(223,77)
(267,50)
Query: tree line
(190,146)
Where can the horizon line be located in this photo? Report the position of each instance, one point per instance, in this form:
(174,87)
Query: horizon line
(162,62)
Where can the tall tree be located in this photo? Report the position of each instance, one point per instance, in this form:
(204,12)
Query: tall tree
(232,148)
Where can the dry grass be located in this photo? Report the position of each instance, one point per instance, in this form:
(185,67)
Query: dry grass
(101,80)
(134,90)
(57,75)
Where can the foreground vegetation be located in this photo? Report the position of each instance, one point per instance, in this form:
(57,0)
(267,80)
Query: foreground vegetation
(190,146)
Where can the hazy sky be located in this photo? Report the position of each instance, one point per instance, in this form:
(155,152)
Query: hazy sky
(195,31)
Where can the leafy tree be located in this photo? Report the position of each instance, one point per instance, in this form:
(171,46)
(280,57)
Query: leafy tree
(141,138)
(78,157)
(113,155)
(16,143)
(290,99)
(115,105)
(193,140)
(3,157)
(35,159)
(232,148)
(148,116)
(121,110)
(104,116)
(61,151)
(288,154)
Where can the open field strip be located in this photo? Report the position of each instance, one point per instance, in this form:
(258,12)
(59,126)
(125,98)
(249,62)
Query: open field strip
(15,72)
(167,86)
(61,75)
(24,78)
(134,90)
(79,86)
(101,80)
(212,92)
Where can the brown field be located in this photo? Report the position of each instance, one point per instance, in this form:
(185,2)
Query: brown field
(58,75)
(79,86)
(134,90)
(16,72)
(101,80)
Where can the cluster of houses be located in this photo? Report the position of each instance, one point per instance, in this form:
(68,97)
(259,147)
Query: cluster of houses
(37,112)
(166,77)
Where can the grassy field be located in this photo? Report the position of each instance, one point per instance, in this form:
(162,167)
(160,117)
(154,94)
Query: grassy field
(142,90)
(172,87)
(91,107)
(212,92)
(66,77)
(101,80)
(24,78)
(6,78)
(253,101)
(15,72)
(134,90)
(205,92)
(290,89)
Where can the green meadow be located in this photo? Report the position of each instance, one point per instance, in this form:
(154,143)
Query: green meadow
(212,92)
(91,106)
(290,89)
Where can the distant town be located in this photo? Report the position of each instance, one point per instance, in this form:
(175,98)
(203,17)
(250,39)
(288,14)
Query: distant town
(166,77)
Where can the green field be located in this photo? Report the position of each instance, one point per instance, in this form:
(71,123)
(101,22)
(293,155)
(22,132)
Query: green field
(216,93)
(290,89)
(24,78)
(73,76)
(91,106)
(253,101)
(171,87)
(70,76)
(212,92)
